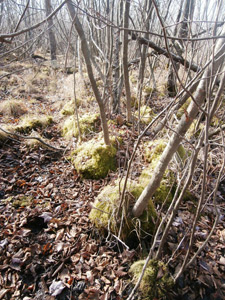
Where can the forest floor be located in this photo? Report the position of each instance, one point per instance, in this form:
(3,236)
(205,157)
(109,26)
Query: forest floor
(48,247)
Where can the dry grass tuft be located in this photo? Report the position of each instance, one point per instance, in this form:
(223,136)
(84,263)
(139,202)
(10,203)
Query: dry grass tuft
(13,108)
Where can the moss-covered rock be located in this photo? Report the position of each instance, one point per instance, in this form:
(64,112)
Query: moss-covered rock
(104,214)
(146,114)
(156,281)
(30,122)
(13,108)
(88,124)
(94,159)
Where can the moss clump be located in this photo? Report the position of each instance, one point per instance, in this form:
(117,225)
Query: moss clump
(163,192)
(94,159)
(156,281)
(22,201)
(69,108)
(104,214)
(146,114)
(30,122)
(33,143)
(153,152)
(88,123)
(13,108)
(154,149)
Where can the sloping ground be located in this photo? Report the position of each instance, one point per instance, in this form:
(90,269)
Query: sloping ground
(48,247)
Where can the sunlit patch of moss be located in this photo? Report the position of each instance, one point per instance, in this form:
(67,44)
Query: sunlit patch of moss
(156,281)
(89,123)
(104,214)
(69,108)
(13,108)
(22,201)
(30,122)
(94,159)
(146,114)
(154,149)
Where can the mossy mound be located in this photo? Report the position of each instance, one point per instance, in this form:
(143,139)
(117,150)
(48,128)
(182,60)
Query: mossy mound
(146,114)
(193,130)
(30,122)
(69,108)
(164,191)
(154,149)
(14,108)
(88,124)
(156,281)
(94,159)
(104,214)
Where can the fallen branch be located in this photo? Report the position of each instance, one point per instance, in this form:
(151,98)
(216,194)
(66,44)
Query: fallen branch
(32,137)
(163,51)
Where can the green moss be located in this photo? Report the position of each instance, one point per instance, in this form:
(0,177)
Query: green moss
(156,281)
(13,108)
(88,123)
(163,192)
(23,201)
(104,214)
(69,108)
(146,114)
(94,159)
(30,122)
(154,149)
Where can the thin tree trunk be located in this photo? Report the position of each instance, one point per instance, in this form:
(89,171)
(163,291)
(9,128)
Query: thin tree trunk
(125,59)
(87,55)
(52,40)
(182,128)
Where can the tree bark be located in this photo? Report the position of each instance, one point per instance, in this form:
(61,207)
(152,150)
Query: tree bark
(125,59)
(52,39)
(87,55)
(184,124)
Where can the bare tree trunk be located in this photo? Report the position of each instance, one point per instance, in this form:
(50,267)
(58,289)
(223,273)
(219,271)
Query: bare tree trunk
(87,55)
(189,6)
(125,59)
(52,40)
(182,128)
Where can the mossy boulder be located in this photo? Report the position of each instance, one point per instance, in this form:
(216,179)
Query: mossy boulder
(104,214)
(156,281)
(94,159)
(146,114)
(89,123)
(13,108)
(30,122)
